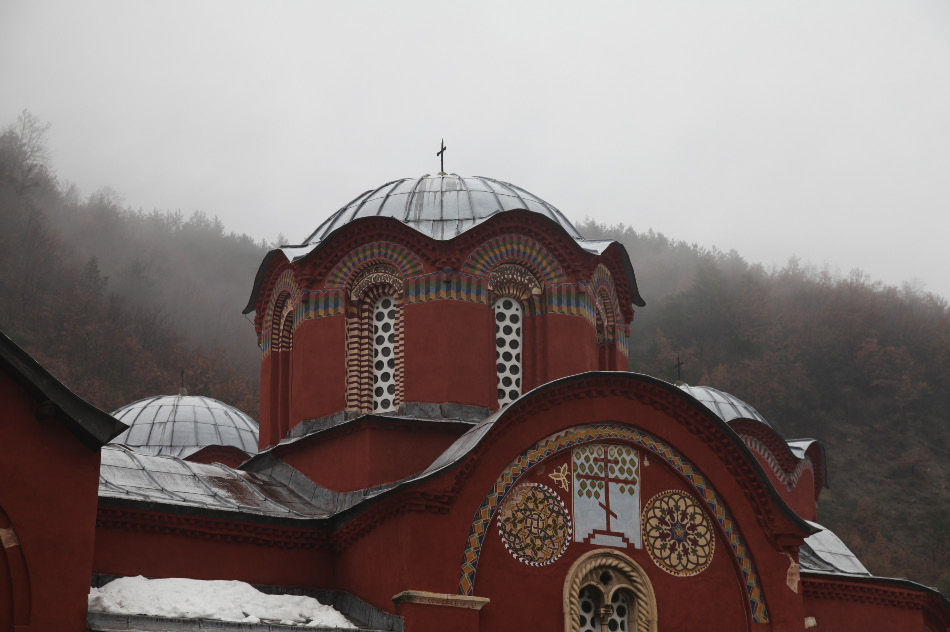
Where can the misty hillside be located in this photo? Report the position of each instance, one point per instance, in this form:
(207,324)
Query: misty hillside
(115,302)
(863,367)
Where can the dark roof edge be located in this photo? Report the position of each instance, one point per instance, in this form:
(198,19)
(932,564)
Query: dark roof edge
(410,481)
(631,276)
(92,426)
(258,280)
(901,582)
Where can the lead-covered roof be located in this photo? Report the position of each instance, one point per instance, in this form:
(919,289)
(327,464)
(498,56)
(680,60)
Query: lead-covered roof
(727,407)
(166,480)
(180,425)
(442,207)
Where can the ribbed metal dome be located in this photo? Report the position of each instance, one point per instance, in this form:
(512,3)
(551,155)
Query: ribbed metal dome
(727,406)
(180,425)
(441,206)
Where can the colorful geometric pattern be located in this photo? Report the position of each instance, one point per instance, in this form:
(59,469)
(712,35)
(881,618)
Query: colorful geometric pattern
(320,303)
(567,299)
(534,524)
(677,533)
(514,248)
(440,287)
(789,478)
(623,345)
(405,261)
(579,435)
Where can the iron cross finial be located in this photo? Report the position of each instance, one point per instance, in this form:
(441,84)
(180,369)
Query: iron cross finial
(441,156)
(679,363)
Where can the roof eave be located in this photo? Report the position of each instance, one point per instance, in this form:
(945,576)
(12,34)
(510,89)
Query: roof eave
(92,426)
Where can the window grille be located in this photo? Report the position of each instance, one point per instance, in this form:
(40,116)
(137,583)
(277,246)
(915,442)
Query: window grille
(508,321)
(384,360)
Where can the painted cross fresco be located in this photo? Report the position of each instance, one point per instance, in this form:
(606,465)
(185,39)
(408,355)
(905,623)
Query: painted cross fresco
(606,495)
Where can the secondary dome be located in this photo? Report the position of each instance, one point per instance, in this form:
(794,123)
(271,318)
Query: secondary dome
(180,425)
(726,406)
(441,206)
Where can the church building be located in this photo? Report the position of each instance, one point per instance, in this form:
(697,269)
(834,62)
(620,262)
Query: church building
(449,439)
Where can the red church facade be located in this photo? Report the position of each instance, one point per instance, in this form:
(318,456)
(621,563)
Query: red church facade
(449,435)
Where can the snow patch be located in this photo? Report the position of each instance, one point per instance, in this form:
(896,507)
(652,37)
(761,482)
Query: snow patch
(211,599)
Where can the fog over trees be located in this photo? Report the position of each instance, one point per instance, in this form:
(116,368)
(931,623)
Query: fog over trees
(116,302)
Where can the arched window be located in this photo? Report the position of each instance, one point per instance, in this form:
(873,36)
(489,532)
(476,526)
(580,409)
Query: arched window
(606,330)
(282,341)
(515,292)
(508,317)
(384,354)
(374,344)
(607,591)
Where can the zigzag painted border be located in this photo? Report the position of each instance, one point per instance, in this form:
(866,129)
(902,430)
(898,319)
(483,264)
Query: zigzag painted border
(514,248)
(439,287)
(789,478)
(571,437)
(404,259)
(567,299)
(623,344)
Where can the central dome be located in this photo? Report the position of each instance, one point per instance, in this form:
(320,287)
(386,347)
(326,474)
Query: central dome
(441,206)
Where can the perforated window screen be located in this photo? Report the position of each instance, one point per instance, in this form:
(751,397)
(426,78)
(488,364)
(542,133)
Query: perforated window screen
(587,604)
(508,317)
(384,361)
(621,614)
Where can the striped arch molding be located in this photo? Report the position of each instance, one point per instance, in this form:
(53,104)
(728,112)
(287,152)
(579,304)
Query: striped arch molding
(514,248)
(579,435)
(404,260)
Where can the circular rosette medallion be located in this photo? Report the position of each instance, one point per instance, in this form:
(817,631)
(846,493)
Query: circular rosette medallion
(534,524)
(677,534)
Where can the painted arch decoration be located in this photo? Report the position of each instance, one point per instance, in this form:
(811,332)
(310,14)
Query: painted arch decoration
(286,284)
(390,252)
(514,248)
(594,433)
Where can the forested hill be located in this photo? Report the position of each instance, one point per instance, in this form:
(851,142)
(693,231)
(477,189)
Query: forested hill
(863,367)
(116,302)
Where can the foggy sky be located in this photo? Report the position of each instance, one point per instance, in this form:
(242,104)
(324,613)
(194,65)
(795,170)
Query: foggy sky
(820,129)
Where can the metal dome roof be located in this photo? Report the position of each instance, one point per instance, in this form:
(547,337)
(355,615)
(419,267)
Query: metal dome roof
(180,425)
(441,206)
(444,206)
(726,406)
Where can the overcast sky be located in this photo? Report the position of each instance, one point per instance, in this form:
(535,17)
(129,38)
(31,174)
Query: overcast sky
(814,128)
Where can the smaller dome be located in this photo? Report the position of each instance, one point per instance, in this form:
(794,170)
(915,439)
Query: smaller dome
(180,425)
(726,406)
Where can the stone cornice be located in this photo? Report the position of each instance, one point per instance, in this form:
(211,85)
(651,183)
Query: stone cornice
(880,591)
(440,599)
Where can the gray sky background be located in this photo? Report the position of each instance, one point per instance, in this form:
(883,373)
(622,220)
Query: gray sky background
(815,128)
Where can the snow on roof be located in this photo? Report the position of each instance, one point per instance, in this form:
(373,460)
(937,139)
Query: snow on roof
(217,600)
